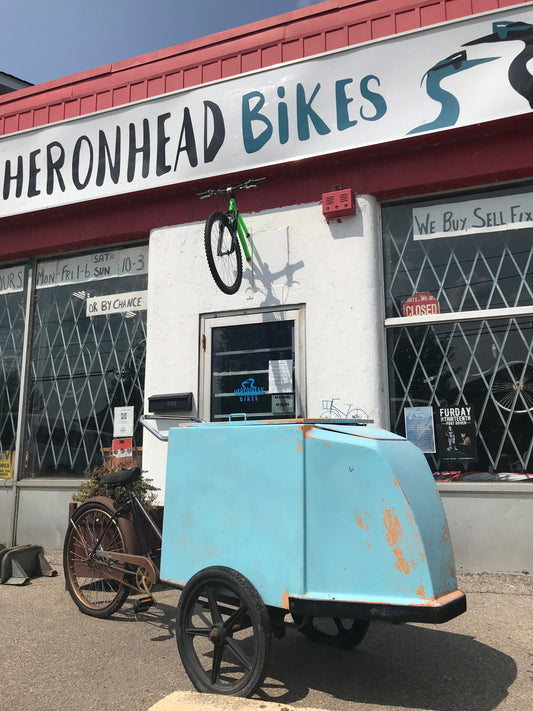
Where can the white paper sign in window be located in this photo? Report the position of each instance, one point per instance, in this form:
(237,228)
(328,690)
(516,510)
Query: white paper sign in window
(117,303)
(280,376)
(469,217)
(123,421)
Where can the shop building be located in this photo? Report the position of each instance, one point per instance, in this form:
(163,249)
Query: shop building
(392,253)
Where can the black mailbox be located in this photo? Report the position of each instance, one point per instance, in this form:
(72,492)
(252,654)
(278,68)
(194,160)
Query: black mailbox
(178,402)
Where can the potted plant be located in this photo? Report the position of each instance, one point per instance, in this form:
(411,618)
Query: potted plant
(92,486)
(145,491)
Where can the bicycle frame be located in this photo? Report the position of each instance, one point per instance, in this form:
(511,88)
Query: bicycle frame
(239,226)
(222,233)
(115,562)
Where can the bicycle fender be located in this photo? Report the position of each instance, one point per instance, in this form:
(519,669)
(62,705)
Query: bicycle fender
(126,525)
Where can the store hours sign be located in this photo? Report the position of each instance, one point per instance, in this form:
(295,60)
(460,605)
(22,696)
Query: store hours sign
(364,95)
(108,264)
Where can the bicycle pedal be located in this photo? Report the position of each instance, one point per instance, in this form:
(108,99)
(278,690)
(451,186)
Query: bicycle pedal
(143,604)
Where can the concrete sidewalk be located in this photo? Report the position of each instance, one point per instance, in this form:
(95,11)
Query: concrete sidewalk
(192,701)
(485,663)
(53,658)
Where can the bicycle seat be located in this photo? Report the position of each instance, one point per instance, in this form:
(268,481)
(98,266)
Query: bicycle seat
(122,477)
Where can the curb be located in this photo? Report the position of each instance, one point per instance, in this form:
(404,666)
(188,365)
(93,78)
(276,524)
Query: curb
(193,701)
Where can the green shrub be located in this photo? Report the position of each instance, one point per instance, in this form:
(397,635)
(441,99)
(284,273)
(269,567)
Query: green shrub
(92,486)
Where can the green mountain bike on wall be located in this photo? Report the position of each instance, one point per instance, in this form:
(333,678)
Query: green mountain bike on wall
(222,234)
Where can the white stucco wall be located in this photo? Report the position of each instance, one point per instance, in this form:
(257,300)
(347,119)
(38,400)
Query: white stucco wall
(491,526)
(332,269)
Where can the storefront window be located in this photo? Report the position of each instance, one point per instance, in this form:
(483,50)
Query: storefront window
(12,320)
(462,387)
(252,367)
(477,377)
(87,358)
(469,270)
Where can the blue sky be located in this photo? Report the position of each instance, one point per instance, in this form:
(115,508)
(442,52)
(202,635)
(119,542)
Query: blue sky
(42,40)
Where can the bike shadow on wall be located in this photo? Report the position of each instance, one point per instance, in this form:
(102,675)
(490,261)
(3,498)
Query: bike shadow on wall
(275,284)
(407,666)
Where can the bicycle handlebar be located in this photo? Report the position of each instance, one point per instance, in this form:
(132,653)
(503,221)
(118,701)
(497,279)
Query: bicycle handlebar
(164,438)
(252,183)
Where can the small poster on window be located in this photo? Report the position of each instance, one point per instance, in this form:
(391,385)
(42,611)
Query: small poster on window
(6,465)
(122,453)
(282,404)
(419,427)
(123,421)
(280,376)
(456,433)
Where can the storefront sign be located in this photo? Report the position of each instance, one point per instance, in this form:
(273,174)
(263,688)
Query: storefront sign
(422,304)
(93,267)
(456,74)
(117,303)
(507,212)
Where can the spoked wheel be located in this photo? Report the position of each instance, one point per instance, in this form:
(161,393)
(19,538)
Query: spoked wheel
(358,414)
(512,388)
(223,633)
(223,253)
(335,631)
(88,582)
(332,415)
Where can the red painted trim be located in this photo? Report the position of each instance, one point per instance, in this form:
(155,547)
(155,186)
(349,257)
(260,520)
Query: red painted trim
(329,25)
(461,158)
(417,165)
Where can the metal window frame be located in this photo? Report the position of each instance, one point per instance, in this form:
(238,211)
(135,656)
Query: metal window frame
(19,481)
(485,314)
(209,321)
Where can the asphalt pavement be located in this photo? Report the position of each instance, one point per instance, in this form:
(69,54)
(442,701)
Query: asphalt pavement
(55,658)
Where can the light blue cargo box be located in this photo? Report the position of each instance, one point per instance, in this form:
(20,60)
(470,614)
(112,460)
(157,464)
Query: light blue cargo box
(323,517)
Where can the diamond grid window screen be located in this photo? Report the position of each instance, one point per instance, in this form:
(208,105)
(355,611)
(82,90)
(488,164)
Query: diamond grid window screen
(485,364)
(12,321)
(474,272)
(82,367)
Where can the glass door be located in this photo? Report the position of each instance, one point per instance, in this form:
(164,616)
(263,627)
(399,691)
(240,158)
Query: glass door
(252,365)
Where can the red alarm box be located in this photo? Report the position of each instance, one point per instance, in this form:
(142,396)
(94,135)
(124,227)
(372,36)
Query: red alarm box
(338,204)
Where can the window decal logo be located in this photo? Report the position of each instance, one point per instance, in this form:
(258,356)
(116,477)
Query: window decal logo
(248,392)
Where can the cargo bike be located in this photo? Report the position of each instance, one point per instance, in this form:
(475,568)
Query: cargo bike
(321,525)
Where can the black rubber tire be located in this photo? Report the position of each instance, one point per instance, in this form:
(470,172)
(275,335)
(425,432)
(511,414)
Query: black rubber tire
(223,633)
(334,631)
(226,268)
(93,591)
